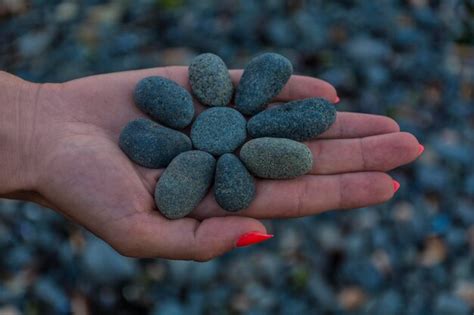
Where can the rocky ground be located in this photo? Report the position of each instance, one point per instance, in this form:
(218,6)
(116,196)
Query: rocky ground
(412,60)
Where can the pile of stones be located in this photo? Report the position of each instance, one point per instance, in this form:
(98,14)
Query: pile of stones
(230,142)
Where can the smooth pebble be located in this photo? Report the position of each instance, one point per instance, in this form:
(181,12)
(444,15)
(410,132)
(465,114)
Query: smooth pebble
(234,186)
(219,130)
(263,78)
(184,183)
(165,101)
(210,80)
(151,145)
(276,158)
(299,120)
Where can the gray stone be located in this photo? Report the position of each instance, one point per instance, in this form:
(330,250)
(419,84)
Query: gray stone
(184,183)
(263,78)
(103,265)
(276,158)
(165,101)
(151,145)
(219,130)
(210,80)
(298,120)
(234,187)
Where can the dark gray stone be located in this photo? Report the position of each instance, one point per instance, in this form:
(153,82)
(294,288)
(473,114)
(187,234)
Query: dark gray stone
(263,78)
(165,101)
(184,183)
(234,187)
(210,80)
(151,145)
(219,130)
(276,158)
(103,265)
(298,120)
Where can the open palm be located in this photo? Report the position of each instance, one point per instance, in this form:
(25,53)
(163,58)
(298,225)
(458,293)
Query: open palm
(83,174)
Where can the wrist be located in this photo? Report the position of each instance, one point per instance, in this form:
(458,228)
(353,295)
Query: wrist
(18,102)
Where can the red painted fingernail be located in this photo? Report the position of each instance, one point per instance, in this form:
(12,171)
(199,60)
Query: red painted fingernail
(421,148)
(337,100)
(252,238)
(396,185)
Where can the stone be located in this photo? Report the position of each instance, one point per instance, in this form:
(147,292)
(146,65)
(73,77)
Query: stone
(234,187)
(299,120)
(446,303)
(219,130)
(210,80)
(184,183)
(165,101)
(263,78)
(151,145)
(276,158)
(104,266)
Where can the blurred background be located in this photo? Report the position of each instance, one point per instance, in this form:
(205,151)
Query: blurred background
(411,60)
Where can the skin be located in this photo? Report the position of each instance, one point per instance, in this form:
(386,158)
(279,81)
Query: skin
(59,149)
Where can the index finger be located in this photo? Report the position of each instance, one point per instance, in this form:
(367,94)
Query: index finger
(297,87)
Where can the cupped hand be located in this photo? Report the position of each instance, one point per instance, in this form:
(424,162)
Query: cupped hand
(81,172)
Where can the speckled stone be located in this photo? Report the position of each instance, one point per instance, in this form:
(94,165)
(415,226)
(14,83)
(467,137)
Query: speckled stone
(298,120)
(184,183)
(219,130)
(263,78)
(150,145)
(165,101)
(234,187)
(210,80)
(276,158)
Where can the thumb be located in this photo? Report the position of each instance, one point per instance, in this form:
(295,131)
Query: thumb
(151,235)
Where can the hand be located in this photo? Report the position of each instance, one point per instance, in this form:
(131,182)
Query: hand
(78,169)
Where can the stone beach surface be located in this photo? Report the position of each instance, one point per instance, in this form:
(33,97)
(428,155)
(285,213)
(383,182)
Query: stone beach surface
(150,145)
(184,183)
(210,80)
(299,120)
(276,158)
(263,78)
(219,130)
(165,101)
(234,186)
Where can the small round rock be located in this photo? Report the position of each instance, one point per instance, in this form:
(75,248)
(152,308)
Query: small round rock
(210,80)
(219,130)
(263,78)
(234,186)
(299,120)
(151,145)
(184,183)
(276,158)
(165,101)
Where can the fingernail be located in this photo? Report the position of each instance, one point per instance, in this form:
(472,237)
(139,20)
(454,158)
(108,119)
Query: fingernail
(337,100)
(252,238)
(421,148)
(396,185)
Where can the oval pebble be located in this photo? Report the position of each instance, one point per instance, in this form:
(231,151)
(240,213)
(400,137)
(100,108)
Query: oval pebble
(184,183)
(298,120)
(165,101)
(276,158)
(263,78)
(150,145)
(219,130)
(234,187)
(210,80)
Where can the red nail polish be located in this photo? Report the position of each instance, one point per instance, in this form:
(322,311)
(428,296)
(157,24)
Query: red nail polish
(337,100)
(252,238)
(421,148)
(396,185)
